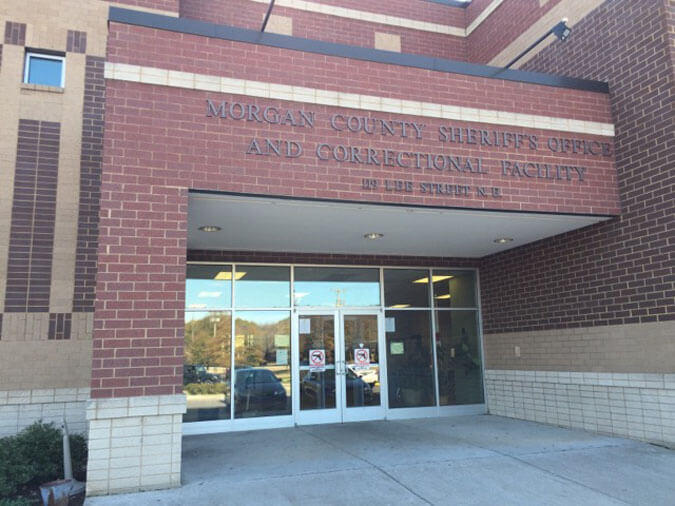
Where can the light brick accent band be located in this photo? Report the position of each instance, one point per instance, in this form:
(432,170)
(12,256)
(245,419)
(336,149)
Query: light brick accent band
(21,408)
(372,17)
(639,406)
(192,81)
(134,443)
(483,16)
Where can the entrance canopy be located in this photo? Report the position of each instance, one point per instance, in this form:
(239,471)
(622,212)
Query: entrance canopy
(313,226)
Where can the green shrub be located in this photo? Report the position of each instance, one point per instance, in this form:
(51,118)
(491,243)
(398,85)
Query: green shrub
(206,388)
(35,456)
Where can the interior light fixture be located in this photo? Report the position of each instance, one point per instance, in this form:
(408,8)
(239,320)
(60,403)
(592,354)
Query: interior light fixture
(373,236)
(443,297)
(210,228)
(398,306)
(435,279)
(227,275)
(503,240)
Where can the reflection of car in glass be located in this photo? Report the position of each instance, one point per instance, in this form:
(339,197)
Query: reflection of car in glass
(258,386)
(315,384)
(370,375)
(198,374)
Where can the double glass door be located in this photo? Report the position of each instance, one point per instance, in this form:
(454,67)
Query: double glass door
(338,365)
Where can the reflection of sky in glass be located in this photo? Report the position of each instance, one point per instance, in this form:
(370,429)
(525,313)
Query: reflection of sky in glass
(263,317)
(262,293)
(44,71)
(198,315)
(327,293)
(207,294)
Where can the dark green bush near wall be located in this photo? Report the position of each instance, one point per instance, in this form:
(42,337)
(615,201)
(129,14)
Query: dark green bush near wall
(35,456)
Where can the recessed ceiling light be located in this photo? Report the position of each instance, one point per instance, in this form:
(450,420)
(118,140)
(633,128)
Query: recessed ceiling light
(443,297)
(227,275)
(210,228)
(503,240)
(399,306)
(435,279)
(373,236)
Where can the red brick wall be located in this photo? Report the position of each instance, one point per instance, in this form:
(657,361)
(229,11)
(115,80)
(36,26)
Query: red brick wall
(503,26)
(620,271)
(191,53)
(90,186)
(309,25)
(164,5)
(159,143)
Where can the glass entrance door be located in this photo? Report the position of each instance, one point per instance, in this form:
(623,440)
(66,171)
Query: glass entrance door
(338,366)
(362,366)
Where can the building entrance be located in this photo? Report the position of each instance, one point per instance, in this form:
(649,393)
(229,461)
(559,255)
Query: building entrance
(273,345)
(340,377)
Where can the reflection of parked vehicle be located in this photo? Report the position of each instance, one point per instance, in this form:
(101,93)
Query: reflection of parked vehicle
(316,384)
(198,374)
(370,375)
(260,387)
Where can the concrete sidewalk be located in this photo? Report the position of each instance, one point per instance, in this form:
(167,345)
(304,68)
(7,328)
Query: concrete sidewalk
(450,461)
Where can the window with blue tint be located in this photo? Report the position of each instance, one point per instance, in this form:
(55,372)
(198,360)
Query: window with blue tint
(336,287)
(208,287)
(262,286)
(44,69)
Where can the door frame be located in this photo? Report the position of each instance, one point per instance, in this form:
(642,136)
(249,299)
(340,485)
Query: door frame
(313,416)
(359,414)
(341,413)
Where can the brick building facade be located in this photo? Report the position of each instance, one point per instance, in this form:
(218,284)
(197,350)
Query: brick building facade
(550,187)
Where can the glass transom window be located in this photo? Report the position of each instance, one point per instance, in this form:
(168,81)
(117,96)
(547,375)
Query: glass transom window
(337,287)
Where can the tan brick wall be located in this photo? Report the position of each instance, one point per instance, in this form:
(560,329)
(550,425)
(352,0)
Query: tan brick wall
(635,405)
(282,25)
(388,41)
(35,362)
(21,408)
(644,348)
(28,360)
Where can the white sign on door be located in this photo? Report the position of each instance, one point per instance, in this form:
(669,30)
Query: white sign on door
(304,326)
(317,360)
(362,358)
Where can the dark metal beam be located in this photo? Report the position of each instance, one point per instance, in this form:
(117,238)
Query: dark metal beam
(267,15)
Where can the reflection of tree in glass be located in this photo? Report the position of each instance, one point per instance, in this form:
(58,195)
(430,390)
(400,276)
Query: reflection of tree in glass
(255,344)
(207,341)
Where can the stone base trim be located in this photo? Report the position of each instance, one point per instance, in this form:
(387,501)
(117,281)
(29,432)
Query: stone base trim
(634,405)
(21,408)
(134,443)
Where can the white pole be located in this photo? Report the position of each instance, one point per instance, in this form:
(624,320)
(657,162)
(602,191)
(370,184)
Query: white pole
(67,463)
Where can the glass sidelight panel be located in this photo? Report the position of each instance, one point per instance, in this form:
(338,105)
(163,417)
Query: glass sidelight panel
(317,361)
(406,288)
(262,286)
(454,288)
(208,287)
(410,369)
(262,381)
(459,361)
(362,357)
(206,366)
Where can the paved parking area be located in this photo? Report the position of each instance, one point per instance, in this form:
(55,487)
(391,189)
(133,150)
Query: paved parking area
(451,461)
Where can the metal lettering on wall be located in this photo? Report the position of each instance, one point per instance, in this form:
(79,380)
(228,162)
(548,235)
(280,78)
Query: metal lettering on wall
(413,160)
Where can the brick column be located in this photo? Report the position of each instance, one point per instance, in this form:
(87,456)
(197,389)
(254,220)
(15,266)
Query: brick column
(137,366)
